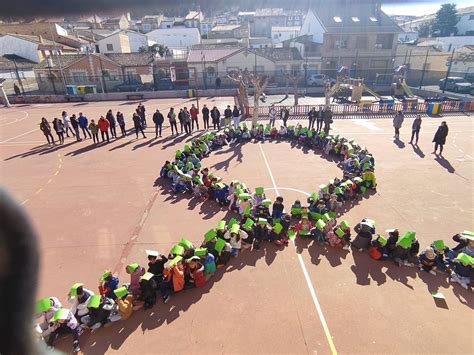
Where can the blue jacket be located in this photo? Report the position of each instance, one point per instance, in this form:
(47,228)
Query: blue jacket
(83,121)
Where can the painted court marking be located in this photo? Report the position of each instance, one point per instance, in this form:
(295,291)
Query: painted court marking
(305,271)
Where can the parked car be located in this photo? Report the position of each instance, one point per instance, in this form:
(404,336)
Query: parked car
(133,87)
(318,79)
(456,84)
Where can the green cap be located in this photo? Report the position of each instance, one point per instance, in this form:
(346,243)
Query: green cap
(221,225)
(43,305)
(232,222)
(320,224)
(173,262)
(267,202)
(245,196)
(338,191)
(358,179)
(132,267)
(339,232)
(235,228)
(238,192)
(291,234)
(248,224)
(186,244)
(177,250)
(363,189)
(73,291)
(404,242)
(209,235)
(382,240)
(235,182)
(259,190)
(332,214)
(220,244)
(345,224)
(105,275)
(326,217)
(439,244)
(187,148)
(468,235)
(410,235)
(200,252)
(315,216)
(94,301)
(194,257)
(314,196)
(121,291)
(247,210)
(324,187)
(60,314)
(262,221)
(295,210)
(465,259)
(277,228)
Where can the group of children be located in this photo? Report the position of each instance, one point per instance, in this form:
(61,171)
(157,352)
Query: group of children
(257,220)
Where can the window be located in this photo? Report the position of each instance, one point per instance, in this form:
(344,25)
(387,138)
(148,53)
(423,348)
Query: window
(373,19)
(384,41)
(337,19)
(355,19)
(79,77)
(110,47)
(340,44)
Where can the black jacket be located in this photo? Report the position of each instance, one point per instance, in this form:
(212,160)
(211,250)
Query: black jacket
(110,117)
(441,134)
(205,112)
(158,118)
(216,115)
(228,113)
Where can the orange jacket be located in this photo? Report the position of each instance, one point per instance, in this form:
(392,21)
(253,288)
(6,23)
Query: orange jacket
(177,276)
(103,124)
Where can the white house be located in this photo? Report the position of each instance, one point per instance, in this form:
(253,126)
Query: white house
(175,37)
(312,27)
(465,24)
(124,41)
(447,44)
(34,48)
(282,33)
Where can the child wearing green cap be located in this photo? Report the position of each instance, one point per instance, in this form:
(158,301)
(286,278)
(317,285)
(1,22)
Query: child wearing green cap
(401,253)
(64,322)
(304,226)
(125,302)
(107,284)
(465,245)
(196,271)
(462,270)
(259,196)
(135,271)
(378,250)
(78,297)
(147,290)
(46,308)
(100,309)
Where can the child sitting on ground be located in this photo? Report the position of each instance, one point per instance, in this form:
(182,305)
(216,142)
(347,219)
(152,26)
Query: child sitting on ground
(378,250)
(108,283)
(304,226)
(462,268)
(427,261)
(365,230)
(277,209)
(296,209)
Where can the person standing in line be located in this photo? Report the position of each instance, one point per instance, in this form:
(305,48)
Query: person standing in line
(327,118)
(66,124)
(236,117)
(182,123)
(205,117)
(75,126)
(158,119)
(172,118)
(319,119)
(94,128)
(284,114)
(187,120)
(121,122)
(439,138)
(216,118)
(227,115)
(415,129)
(59,128)
(104,128)
(272,115)
(397,123)
(141,113)
(311,118)
(110,117)
(46,129)
(83,123)
(137,123)
(194,117)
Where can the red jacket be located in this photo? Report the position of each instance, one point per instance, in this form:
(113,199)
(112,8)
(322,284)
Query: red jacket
(194,112)
(103,124)
(198,277)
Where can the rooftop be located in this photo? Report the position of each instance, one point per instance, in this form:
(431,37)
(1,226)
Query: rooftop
(8,61)
(286,28)
(192,15)
(220,28)
(211,53)
(279,54)
(269,12)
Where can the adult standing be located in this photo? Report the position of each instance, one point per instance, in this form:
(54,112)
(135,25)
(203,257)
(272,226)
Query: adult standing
(172,118)
(218,83)
(121,122)
(319,119)
(158,120)
(46,129)
(187,120)
(227,115)
(327,118)
(311,118)
(397,123)
(75,126)
(141,113)
(439,138)
(182,123)
(110,117)
(236,116)
(59,128)
(205,116)
(66,122)
(83,123)
(194,117)
(104,125)
(137,123)
(284,114)
(272,115)
(216,118)
(415,129)
(94,128)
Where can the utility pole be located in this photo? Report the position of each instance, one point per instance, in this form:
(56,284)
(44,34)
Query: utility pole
(449,70)
(51,76)
(59,59)
(18,77)
(424,68)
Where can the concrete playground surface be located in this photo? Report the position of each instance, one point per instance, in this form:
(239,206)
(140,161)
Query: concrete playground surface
(99,207)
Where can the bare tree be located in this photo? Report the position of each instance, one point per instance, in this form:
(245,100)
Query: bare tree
(245,79)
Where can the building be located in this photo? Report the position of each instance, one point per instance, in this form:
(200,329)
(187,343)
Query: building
(117,23)
(447,44)
(104,72)
(294,18)
(47,30)
(229,31)
(280,34)
(180,38)
(125,41)
(149,23)
(17,70)
(358,35)
(265,19)
(193,19)
(260,42)
(34,48)
(205,27)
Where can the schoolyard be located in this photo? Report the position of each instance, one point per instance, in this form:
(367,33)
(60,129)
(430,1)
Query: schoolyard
(100,207)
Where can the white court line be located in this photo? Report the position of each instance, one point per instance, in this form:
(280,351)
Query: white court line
(20,135)
(305,272)
(16,119)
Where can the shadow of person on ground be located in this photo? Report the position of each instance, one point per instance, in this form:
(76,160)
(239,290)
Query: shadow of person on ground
(417,150)
(400,144)
(445,163)
(32,151)
(224,164)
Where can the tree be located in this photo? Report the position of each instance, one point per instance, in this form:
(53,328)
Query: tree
(445,22)
(424,30)
(155,49)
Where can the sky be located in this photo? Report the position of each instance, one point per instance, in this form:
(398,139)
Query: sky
(419,8)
